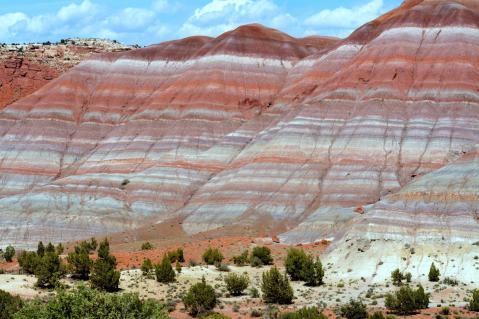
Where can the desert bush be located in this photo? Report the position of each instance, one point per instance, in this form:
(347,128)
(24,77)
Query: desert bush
(262,253)
(200,298)
(276,287)
(180,255)
(88,303)
(354,309)
(222,267)
(304,313)
(253,292)
(474,302)
(242,259)
(178,267)
(104,275)
(255,262)
(146,246)
(89,246)
(49,270)
(215,316)
(294,263)
(9,253)
(312,272)
(406,300)
(40,249)
(9,305)
(50,248)
(433,273)
(79,262)
(28,261)
(164,271)
(212,256)
(146,267)
(398,277)
(59,249)
(236,284)
(377,315)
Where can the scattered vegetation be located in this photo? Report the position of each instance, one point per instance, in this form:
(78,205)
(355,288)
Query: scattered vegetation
(263,254)
(212,256)
(354,309)
(434,273)
(398,277)
(146,246)
(276,287)
(79,261)
(236,284)
(242,259)
(164,271)
(474,302)
(304,313)
(9,253)
(104,275)
(9,305)
(406,300)
(300,266)
(88,303)
(147,267)
(200,298)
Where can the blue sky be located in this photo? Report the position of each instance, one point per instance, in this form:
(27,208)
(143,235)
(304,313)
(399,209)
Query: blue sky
(151,21)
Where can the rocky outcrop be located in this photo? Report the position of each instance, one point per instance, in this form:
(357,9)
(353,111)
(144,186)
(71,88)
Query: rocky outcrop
(309,139)
(26,68)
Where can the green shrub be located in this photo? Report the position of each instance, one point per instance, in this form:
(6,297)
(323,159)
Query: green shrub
(262,253)
(49,270)
(180,255)
(9,305)
(354,309)
(304,313)
(200,298)
(276,287)
(222,267)
(445,311)
(88,303)
(146,246)
(164,272)
(215,316)
(242,259)
(40,249)
(294,263)
(397,277)
(9,253)
(312,272)
(104,275)
(407,300)
(377,315)
(50,248)
(80,262)
(236,284)
(59,249)
(212,256)
(253,292)
(28,261)
(178,267)
(474,302)
(255,262)
(146,267)
(433,273)
(89,246)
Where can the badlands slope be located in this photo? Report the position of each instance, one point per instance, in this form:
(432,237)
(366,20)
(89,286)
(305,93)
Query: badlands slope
(371,139)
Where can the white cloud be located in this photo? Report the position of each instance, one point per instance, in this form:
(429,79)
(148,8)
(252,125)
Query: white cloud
(77,11)
(130,19)
(346,18)
(219,16)
(283,21)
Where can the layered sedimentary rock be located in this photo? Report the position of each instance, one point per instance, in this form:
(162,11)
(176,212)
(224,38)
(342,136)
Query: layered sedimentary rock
(26,68)
(360,138)
(124,138)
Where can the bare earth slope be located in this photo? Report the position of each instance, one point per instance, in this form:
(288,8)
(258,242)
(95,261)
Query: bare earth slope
(364,140)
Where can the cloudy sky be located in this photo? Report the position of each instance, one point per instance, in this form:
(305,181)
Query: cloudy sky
(151,21)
